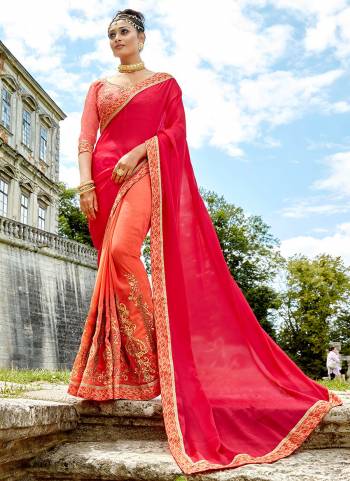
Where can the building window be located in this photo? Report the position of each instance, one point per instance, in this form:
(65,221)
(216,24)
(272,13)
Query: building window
(43,142)
(24,208)
(26,127)
(5,108)
(41,217)
(4,189)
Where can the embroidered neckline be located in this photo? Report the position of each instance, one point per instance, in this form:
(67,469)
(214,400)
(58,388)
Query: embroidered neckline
(132,86)
(115,97)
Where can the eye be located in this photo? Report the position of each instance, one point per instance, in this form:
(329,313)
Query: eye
(125,31)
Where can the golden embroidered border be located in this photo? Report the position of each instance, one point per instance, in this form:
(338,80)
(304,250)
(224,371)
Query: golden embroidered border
(85,146)
(126,94)
(139,387)
(109,391)
(294,438)
(139,172)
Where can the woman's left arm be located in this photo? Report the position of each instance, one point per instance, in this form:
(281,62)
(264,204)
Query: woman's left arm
(129,162)
(140,150)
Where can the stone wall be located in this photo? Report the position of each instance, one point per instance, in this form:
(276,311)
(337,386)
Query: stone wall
(46,282)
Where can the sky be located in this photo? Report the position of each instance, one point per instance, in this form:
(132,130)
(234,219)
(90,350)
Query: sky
(265,87)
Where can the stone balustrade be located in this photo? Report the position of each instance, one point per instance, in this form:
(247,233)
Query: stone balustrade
(32,237)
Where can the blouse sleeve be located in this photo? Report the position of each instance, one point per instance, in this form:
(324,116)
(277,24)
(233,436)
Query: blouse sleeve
(90,121)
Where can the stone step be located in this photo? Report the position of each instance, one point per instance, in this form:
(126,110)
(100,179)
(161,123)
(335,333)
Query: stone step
(334,429)
(136,460)
(44,420)
(115,419)
(112,420)
(143,420)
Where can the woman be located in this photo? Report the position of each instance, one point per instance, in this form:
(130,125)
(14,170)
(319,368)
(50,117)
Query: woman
(230,395)
(333,363)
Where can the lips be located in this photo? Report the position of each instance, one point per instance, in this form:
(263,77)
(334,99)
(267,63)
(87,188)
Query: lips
(119,46)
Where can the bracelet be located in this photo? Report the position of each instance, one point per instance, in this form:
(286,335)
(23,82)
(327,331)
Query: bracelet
(86,186)
(86,190)
(86,182)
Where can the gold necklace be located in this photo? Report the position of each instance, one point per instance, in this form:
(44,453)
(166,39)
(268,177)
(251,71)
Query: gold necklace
(131,67)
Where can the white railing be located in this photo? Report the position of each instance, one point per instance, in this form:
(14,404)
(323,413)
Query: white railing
(28,234)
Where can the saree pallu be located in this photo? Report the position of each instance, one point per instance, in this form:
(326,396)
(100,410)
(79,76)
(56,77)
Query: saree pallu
(230,395)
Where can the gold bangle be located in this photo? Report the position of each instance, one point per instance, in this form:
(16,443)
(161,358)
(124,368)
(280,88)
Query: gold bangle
(86,190)
(86,182)
(84,186)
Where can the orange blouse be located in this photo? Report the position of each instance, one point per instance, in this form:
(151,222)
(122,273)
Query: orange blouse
(103,100)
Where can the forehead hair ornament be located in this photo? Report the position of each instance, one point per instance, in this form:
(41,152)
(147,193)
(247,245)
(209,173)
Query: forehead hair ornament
(132,19)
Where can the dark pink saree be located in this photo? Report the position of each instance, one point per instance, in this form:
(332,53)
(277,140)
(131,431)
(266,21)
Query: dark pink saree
(230,395)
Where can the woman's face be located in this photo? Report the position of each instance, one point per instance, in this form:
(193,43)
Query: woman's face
(123,39)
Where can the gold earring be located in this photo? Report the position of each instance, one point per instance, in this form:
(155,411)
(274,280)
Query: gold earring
(140,46)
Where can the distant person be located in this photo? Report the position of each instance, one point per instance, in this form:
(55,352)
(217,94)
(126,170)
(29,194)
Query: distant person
(333,363)
(338,368)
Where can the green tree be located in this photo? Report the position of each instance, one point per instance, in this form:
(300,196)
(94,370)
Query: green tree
(250,252)
(72,223)
(316,290)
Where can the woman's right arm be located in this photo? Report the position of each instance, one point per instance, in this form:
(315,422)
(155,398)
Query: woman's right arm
(84,159)
(89,125)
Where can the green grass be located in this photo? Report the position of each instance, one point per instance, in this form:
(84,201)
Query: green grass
(31,375)
(26,377)
(11,391)
(335,384)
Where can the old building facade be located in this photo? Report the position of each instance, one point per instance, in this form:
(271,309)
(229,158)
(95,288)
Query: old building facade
(29,147)
(46,280)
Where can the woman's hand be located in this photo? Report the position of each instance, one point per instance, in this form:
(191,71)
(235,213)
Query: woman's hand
(128,163)
(88,204)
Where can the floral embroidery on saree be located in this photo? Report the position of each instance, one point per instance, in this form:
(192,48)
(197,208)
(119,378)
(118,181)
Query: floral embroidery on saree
(138,349)
(102,368)
(147,313)
(85,146)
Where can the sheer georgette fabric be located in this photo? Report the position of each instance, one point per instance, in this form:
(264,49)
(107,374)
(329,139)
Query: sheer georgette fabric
(230,395)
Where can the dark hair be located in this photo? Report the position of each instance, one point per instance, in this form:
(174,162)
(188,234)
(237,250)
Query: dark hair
(331,348)
(140,20)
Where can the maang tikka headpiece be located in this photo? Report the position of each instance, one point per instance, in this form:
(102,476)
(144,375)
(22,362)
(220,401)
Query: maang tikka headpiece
(132,19)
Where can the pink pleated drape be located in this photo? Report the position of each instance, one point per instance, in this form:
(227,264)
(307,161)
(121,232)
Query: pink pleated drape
(231,396)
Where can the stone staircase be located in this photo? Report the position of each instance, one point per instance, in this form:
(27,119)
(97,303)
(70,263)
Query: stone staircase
(48,434)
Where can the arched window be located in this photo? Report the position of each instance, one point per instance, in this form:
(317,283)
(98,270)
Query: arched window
(42,217)
(44,139)
(29,107)
(9,85)
(7,174)
(26,191)
(44,201)
(6,107)
(26,127)
(24,208)
(43,143)
(4,194)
